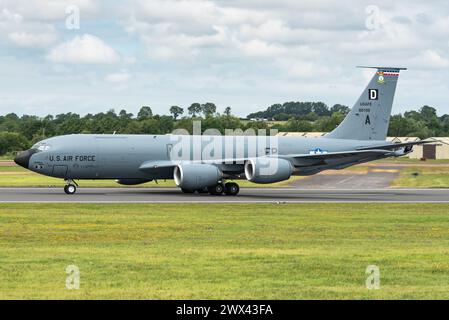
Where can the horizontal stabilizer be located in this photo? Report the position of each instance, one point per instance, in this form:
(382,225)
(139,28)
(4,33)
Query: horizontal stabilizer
(383,68)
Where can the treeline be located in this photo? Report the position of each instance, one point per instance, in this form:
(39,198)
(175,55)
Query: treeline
(300,110)
(317,116)
(18,133)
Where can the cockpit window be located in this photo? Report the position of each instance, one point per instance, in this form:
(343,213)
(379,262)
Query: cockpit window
(42,146)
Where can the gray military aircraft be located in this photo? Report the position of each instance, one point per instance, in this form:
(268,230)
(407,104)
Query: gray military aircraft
(201,163)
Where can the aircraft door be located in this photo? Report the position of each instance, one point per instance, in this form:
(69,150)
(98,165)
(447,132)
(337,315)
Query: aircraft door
(169,151)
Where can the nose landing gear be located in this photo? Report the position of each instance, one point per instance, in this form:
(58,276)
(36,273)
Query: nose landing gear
(70,187)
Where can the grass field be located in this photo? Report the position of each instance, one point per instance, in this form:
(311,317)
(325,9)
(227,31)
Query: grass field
(423,177)
(221,252)
(405,160)
(431,174)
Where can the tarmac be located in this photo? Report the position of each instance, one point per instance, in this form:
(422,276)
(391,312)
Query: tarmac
(247,195)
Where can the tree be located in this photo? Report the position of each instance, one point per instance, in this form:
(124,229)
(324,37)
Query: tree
(227,111)
(176,111)
(144,113)
(12,141)
(340,108)
(208,109)
(125,115)
(428,113)
(194,109)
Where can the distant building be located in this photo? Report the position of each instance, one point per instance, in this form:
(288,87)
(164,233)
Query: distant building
(302,134)
(415,154)
(402,139)
(438,148)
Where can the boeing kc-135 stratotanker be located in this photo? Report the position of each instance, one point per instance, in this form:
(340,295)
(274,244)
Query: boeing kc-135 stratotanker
(202,163)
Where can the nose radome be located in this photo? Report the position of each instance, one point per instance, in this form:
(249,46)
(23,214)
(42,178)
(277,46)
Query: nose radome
(23,158)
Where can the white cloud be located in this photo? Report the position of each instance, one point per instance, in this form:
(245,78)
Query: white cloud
(26,39)
(83,49)
(24,33)
(242,53)
(119,77)
(259,48)
(48,10)
(430,59)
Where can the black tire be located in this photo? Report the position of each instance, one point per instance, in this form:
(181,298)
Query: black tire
(203,190)
(232,189)
(187,191)
(216,190)
(70,189)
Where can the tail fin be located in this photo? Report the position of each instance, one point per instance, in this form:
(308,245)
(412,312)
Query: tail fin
(370,116)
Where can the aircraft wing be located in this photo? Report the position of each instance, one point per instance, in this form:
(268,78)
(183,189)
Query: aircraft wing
(336,160)
(393,146)
(296,159)
(310,163)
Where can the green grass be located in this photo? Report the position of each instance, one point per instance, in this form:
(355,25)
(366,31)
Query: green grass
(7,157)
(306,251)
(427,177)
(405,160)
(14,176)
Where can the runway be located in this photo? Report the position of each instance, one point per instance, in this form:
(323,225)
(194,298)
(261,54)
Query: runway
(247,195)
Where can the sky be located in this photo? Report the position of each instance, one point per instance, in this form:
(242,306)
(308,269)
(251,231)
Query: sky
(87,56)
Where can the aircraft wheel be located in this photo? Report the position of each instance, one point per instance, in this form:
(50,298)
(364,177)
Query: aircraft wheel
(187,191)
(232,189)
(216,190)
(70,189)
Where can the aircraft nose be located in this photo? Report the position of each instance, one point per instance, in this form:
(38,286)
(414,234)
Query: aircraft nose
(23,158)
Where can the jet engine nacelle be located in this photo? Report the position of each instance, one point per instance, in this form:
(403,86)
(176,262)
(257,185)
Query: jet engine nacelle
(267,170)
(196,176)
(132,182)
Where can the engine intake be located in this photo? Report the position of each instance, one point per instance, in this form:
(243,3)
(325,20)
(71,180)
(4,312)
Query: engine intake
(196,176)
(267,170)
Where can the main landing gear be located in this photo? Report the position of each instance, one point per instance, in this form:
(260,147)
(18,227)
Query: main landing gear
(70,187)
(229,189)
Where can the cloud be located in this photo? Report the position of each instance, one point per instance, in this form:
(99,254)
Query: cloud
(23,33)
(430,59)
(119,77)
(49,10)
(247,54)
(84,49)
(26,39)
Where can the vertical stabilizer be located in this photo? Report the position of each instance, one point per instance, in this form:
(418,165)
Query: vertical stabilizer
(370,116)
